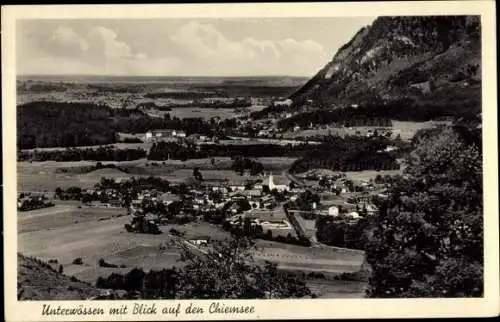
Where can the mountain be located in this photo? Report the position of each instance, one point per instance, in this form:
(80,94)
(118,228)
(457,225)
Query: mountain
(414,67)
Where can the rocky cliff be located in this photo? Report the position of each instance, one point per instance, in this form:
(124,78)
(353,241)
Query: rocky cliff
(431,62)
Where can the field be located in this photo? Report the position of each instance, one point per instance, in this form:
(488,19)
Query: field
(309,259)
(48,175)
(205,113)
(356,176)
(405,129)
(66,232)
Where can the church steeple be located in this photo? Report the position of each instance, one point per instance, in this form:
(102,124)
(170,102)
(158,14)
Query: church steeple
(271,181)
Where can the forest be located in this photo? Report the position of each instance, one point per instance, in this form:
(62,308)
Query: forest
(172,150)
(105,153)
(350,153)
(444,103)
(52,124)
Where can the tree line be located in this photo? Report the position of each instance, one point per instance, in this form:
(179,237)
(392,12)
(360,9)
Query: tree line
(347,116)
(178,151)
(105,153)
(350,153)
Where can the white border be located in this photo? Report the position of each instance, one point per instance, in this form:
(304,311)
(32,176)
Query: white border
(275,309)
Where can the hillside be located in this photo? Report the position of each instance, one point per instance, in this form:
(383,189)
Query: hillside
(39,281)
(407,68)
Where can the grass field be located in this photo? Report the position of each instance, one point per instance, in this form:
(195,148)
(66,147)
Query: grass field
(405,129)
(309,259)
(206,113)
(41,176)
(65,233)
(356,176)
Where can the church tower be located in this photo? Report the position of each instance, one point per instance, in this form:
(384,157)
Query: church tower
(271,181)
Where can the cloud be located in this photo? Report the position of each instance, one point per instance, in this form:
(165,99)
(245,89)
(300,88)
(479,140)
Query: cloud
(105,45)
(203,43)
(65,41)
(192,48)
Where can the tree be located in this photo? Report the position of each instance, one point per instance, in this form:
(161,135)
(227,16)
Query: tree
(61,269)
(58,192)
(197,174)
(229,272)
(429,242)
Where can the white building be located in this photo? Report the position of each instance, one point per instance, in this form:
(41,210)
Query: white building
(353,215)
(180,134)
(287,102)
(333,211)
(279,187)
(160,134)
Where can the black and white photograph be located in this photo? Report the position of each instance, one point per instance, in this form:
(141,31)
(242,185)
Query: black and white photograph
(244,158)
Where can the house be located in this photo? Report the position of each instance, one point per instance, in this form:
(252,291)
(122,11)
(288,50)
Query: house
(390,148)
(371,209)
(285,103)
(238,196)
(333,211)
(263,133)
(257,186)
(167,198)
(237,187)
(180,134)
(253,193)
(353,214)
(160,133)
(199,242)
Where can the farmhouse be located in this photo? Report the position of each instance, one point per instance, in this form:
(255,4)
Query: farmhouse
(333,211)
(165,133)
(160,134)
(285,103)
(200,242)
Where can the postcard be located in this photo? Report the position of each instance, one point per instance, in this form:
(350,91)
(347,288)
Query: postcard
(250,161)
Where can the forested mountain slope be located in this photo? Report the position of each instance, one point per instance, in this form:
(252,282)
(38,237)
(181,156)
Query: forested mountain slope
(420,67)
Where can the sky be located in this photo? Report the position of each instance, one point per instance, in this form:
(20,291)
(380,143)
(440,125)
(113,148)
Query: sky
(182,47)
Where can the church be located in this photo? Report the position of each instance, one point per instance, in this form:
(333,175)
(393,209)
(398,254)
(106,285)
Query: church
(279,187)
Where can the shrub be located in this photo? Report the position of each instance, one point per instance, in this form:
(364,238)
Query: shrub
(78,261)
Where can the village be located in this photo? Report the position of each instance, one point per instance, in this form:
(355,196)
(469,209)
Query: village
(277,207)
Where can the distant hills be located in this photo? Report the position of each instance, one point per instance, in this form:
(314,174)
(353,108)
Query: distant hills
(413,68)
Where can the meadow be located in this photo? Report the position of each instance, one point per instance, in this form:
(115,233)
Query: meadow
(48,175)
(405,129)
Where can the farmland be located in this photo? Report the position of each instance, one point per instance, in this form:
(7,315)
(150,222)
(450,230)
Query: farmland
(41,176)
(66,232)
(405,129)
